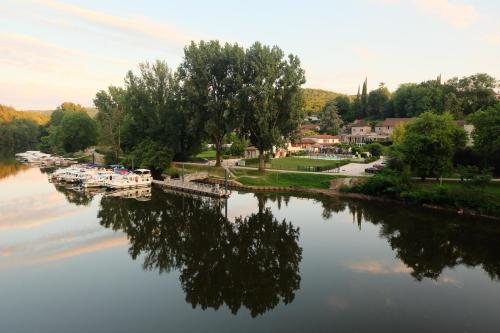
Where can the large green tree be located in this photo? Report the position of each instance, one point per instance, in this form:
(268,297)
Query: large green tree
(486,135)
(272,101)
(329,119)
(212,79)
(17,136)
(429,143)
(344,108)
(378,100)
(110,117)
(77,131)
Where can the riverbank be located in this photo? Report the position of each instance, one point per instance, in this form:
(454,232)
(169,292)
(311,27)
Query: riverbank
(450,196)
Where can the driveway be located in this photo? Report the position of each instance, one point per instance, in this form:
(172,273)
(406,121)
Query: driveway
(356,169)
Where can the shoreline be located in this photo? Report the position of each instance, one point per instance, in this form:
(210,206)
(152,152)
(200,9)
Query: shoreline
(335,193)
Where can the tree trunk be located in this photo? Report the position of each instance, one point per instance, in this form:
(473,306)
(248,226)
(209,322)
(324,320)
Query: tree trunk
(262,162)
(217,155)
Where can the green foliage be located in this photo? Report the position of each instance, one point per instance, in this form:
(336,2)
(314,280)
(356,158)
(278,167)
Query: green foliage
(474,176)
(150,155)
(344,108)
(8,114)
(316,99)
(329,119)
(386,182)
(109,118)
(429,144)
(378,102)
(272,98)
(77,131)
(397,186)
(17,136)
(375,149)
(237,148)
(211,76)
(486,135)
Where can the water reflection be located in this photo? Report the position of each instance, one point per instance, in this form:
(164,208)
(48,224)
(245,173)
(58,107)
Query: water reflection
(252,262)
(8,169)
(428,242)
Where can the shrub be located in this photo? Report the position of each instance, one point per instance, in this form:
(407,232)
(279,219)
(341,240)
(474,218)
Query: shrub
(375,148)
(149,154)
(386,182)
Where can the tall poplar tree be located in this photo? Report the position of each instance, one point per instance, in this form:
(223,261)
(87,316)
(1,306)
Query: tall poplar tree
(364,99)
(211,77)
(272,101)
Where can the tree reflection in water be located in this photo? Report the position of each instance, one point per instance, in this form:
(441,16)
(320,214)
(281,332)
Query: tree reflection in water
(76,197)
(428,241)
(252,262)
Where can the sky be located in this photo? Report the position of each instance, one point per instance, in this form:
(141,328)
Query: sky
(53,51)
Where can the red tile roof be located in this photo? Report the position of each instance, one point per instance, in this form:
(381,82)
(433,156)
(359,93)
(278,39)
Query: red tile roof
(360,123)
(324,136)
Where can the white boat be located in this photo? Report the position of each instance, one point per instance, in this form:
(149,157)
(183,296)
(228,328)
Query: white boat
(32,157)
(137,178)
(98,179)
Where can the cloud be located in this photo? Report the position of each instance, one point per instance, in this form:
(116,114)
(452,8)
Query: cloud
(458,15)
(137,25)
(59,247)
(377,267)
(93,246)
(44,209)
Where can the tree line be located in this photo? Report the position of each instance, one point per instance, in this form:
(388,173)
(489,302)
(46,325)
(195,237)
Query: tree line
(217,90)
(459,97)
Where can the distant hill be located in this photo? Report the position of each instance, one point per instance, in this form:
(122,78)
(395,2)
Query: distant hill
(316,99)
(41,117)
(7,114)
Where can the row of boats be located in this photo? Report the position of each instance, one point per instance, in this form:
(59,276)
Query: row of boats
(87,175)
(113,177)
(35,157)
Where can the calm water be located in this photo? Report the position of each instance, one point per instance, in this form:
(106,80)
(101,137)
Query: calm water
(71,262)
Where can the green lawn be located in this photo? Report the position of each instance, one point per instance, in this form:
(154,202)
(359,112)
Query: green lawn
(297,163)
(208,154)
(254,178)
(176,170)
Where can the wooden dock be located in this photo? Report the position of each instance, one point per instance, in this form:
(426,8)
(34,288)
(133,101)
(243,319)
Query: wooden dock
(192,187)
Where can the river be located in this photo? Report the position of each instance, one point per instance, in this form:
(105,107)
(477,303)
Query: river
(164,262)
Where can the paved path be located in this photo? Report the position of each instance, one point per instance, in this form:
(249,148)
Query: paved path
(356,169)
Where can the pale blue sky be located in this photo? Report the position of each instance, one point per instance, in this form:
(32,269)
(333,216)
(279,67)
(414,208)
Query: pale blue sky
(66,50)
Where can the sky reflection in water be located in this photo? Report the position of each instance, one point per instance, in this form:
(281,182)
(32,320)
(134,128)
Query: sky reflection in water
(76,262)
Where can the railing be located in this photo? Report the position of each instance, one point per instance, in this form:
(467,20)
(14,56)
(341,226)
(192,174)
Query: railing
(196,187)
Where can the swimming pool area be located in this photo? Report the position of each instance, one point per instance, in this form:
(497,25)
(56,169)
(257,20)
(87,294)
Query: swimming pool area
(326,157)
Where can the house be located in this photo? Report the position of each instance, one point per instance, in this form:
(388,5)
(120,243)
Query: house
(386,127)
(251,152)
(325,139)
(360,127)
(468,129)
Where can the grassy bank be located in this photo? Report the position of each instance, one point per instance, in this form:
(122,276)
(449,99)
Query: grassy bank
(482,199)
(297,163)
(269,178)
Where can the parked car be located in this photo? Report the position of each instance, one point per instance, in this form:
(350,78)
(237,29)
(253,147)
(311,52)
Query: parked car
(378,166)
(371,170)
